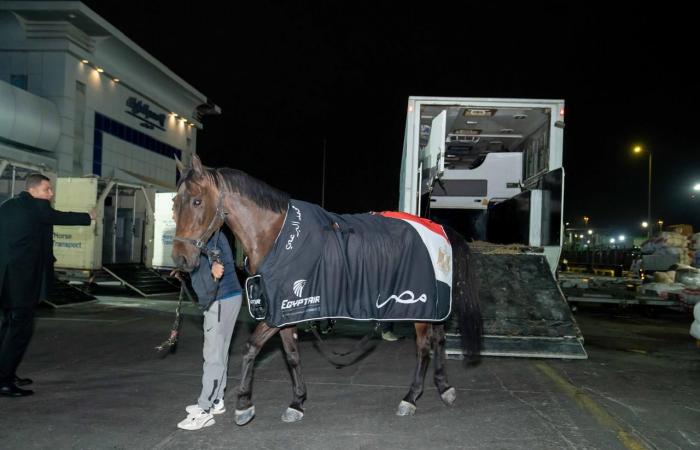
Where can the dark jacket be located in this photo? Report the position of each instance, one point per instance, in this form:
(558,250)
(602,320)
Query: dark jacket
(26,248)
(204,285)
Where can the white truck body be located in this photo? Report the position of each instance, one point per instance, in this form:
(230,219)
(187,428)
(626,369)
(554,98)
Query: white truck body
(122,232)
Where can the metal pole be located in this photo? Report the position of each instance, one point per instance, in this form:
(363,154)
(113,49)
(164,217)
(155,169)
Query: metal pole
(420,184)
(12,186)
(650,226)
(114,233)
(323,179)
(133,228)
(146,229)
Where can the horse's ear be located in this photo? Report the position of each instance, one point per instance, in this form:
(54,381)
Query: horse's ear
(179,165)
(197,165)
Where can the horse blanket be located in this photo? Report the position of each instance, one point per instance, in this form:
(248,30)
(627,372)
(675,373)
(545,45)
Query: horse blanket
(377,266)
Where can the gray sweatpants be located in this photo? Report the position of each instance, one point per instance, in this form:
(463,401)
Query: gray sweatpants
(219,321)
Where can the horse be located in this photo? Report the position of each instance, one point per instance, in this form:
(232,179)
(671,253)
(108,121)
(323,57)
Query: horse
(207,198)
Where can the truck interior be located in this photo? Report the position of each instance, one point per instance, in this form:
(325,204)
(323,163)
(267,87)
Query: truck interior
(124,218)
(492,158)
(473,133)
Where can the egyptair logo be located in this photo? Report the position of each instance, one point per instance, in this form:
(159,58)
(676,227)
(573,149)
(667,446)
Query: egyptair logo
(299,287)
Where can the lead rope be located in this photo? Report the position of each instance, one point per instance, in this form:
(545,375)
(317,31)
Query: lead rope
(215,257)
(170,344)
(360,346)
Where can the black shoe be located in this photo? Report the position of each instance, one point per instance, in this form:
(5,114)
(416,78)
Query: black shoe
(10,390)
(22,381)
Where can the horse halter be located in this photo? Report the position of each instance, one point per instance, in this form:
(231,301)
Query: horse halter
(201,243)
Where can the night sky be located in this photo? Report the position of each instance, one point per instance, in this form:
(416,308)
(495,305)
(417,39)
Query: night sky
(289,75)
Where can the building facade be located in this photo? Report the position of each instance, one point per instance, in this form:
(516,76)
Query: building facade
(82,103)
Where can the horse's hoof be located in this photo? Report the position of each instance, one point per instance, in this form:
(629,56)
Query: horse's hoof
(244,416)
(449,396)
(406,409)
(292,415)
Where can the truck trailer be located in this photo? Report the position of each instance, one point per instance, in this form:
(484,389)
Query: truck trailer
(492,169)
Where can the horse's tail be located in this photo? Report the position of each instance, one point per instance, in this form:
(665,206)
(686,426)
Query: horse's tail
(465,294)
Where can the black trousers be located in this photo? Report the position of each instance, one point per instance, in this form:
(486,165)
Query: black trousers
(16,331)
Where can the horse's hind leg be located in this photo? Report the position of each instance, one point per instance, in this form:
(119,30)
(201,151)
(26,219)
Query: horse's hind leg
(295,411)
(407,407)
(448,394)
(245,411)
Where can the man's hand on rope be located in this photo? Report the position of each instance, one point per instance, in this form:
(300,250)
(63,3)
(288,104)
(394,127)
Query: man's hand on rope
(217,270)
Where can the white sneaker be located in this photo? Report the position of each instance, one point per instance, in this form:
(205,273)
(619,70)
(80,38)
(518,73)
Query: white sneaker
(217,408)
(197,420)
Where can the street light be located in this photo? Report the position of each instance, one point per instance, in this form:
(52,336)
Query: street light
(638,150)
(695,190)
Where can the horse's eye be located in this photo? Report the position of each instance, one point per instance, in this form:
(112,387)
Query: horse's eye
(197,202)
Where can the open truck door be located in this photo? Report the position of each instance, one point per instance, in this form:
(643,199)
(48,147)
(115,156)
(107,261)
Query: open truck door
(74,247)
(432,158)
(118,242)
(433,154)
(163,230)
(128,238)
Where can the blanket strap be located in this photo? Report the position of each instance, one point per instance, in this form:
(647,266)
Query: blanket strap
(360,346)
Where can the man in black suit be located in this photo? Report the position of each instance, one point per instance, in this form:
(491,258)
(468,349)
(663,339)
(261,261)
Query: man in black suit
(26,271)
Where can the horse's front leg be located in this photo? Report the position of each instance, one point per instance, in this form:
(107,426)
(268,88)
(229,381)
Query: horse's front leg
(295,411)
(245,411)
(407,407)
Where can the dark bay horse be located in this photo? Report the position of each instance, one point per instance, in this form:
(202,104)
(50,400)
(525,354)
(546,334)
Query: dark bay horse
(255,212)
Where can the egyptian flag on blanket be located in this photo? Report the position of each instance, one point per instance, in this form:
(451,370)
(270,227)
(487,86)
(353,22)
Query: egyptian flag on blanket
(385,266)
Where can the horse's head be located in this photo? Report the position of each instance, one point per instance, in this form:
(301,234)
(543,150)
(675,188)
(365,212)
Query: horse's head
(198,213)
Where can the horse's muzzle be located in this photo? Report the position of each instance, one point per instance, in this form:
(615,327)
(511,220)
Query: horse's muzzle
(183,264)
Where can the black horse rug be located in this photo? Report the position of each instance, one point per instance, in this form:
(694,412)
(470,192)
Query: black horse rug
(384,266)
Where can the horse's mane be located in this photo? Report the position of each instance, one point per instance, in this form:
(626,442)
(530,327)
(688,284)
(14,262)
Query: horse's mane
(233,180)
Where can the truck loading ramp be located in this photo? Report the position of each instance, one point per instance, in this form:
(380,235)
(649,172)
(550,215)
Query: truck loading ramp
(525,313)
(63,294)
(141,279)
